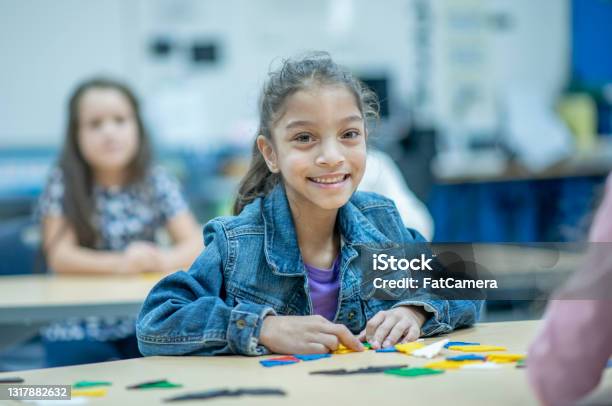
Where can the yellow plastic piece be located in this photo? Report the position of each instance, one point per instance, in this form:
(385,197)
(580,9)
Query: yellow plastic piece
(407,348)
(90,393)
(450,364)
(476,348)
(342,349)
(505,358)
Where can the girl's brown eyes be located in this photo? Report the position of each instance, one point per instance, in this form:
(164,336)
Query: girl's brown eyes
(303,138)
(307,138)
(351,134)
(95,124)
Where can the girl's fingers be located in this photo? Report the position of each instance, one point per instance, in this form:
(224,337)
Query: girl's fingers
(373,324)
(346,337)
(414,332)
(316,348)
(397,332)
(383,331)
(330,341)
(362,336)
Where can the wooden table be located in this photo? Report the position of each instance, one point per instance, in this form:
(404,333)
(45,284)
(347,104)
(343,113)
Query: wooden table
(32,301)
(460,387)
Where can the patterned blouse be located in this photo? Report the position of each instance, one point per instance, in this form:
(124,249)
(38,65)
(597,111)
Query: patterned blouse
(121,215)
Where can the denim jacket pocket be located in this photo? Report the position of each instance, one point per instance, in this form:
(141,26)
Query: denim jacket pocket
(373,306)
(242,295)
(352,314)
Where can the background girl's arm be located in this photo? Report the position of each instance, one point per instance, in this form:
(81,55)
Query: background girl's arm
(184,230)
(65,255)
(63,252)
(185,233)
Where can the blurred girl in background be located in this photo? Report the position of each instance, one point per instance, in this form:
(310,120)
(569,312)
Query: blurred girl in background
(100,211)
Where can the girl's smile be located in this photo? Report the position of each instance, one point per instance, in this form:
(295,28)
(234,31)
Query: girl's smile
(332,181)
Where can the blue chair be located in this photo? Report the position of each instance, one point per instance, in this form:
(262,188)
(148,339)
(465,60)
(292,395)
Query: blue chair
(19,246)
(19,251)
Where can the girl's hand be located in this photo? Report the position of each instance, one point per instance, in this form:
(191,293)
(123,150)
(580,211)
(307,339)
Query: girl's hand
(141,256)
(305,335)
(388,327)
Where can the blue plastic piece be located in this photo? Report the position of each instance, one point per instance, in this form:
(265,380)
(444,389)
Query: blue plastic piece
(387,349)
(451,343)
(311,357)
(270,363)
(467,357)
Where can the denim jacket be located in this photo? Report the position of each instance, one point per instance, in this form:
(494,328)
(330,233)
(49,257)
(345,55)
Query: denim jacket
(252,267)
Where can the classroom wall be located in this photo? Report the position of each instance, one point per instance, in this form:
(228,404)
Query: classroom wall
(47,47)
(536,53)
(209,102)
(214,105)
(484,48)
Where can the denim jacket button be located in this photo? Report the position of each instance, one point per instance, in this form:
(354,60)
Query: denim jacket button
(241,324)
(351,315)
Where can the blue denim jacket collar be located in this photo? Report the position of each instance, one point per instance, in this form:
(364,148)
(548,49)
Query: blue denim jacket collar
(281,247)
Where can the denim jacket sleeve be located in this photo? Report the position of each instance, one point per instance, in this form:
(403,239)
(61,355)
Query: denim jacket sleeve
(185,314)
(445,315)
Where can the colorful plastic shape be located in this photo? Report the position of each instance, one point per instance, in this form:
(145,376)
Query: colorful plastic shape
(449,364)
(311,357)
(90,384)
(430,350)
(408,348)
(467,357)
(88,393)
(453,343)
(476,348)
(413,372)
(505,358)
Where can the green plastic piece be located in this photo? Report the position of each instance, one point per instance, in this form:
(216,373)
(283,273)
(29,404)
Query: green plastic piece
(161,385)
(367,345)
(90,384)
(413,372)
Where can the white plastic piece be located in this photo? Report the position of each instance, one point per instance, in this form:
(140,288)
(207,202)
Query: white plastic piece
(431,350)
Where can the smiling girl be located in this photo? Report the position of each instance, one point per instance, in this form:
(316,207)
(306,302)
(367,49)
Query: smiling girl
(280,276)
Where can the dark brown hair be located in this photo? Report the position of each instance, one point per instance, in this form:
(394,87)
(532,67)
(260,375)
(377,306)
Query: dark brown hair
(78,178)
(312,69)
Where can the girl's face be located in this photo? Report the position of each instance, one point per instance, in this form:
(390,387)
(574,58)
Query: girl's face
(319,147)
(108,131)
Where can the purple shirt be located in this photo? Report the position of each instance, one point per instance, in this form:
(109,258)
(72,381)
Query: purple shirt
(324,287)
